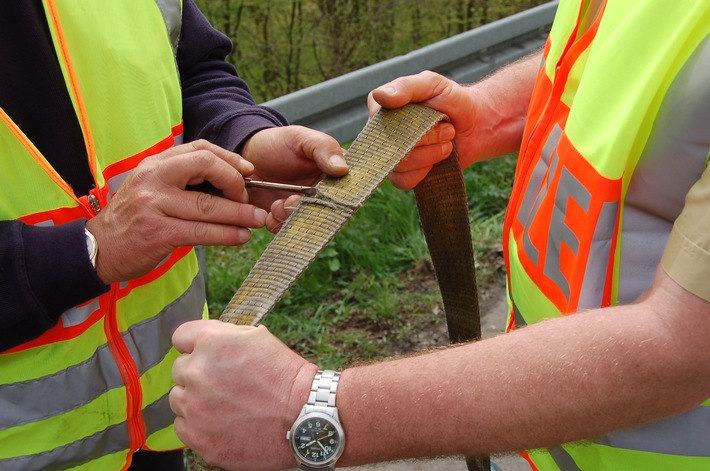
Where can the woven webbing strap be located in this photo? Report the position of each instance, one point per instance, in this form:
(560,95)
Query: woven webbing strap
(441,198)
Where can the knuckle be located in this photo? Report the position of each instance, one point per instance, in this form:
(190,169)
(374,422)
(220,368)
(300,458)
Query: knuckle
(144,173)
(201,144)
(202,157)
(200,231)
(143,196)
(205,203)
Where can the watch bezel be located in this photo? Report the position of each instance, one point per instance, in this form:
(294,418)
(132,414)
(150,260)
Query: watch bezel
(335,422)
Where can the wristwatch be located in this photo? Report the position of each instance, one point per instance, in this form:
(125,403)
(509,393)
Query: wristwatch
(317,438)
(91,246)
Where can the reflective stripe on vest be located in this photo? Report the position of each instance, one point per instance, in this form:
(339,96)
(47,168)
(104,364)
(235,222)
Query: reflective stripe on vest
(172,15)
(94,388)
(66,396)
(616,136)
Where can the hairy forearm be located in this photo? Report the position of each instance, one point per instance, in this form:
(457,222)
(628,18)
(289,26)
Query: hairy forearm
(558,381)
(503,99)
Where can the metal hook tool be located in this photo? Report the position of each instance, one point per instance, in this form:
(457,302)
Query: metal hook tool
(305,190)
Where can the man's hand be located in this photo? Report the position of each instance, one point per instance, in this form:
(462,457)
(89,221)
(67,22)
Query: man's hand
(291,154)
(486,119)
(437,92)
(152,214)
(238,391)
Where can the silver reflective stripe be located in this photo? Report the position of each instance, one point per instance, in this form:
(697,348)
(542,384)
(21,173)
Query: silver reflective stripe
(111,440)
(115,182)
(600,255)
(533,193)
(158,415)
(27,402)
(114,439)
(156,333)
(569,188)
(172,15)
(77,315)
(563,459)
(685,434)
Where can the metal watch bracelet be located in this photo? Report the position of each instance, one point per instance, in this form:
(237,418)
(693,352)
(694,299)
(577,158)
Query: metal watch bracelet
(323,390)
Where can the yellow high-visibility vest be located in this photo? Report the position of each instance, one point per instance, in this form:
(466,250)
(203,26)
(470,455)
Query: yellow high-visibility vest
(602,174)
(94,389)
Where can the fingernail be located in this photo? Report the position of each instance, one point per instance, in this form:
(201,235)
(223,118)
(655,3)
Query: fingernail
(447,133)
(337,161)
(388,89)
(260,216)
(244,235)
(447,148)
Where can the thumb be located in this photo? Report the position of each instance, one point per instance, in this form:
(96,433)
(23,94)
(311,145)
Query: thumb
(389,96)
(325,151)
(185,335)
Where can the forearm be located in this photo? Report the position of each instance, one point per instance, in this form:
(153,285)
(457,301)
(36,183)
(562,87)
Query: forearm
(522,390)
(502,106)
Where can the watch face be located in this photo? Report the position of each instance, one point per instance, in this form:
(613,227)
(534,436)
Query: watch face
(317,439)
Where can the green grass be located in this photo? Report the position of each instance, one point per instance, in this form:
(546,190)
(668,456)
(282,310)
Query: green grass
(370,291)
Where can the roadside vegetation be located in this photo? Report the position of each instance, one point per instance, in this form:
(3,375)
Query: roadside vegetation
(371,293)
(281,46)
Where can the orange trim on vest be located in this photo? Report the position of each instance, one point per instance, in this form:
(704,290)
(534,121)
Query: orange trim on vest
(60,333)
(526,456)
(547,112)
(59,216)
(130,376)
(82,113)
(132,162)
(64,215)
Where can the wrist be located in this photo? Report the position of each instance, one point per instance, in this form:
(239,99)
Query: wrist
(496,129)
(316,437)
(298,396)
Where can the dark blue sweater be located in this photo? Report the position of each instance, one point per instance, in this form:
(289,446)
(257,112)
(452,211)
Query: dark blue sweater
(41,268)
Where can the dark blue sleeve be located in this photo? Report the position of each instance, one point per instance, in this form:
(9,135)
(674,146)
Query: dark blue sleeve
(217,104)
(46,270)
(43,272)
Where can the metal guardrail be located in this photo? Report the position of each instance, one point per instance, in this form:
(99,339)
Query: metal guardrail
(339,106)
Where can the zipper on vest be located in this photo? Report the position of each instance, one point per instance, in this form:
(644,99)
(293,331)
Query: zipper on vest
(129,374)
(94,203)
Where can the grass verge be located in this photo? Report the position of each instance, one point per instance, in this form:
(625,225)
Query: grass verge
(371,292)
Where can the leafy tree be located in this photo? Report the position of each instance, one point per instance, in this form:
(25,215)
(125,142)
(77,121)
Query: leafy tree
(281,46)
